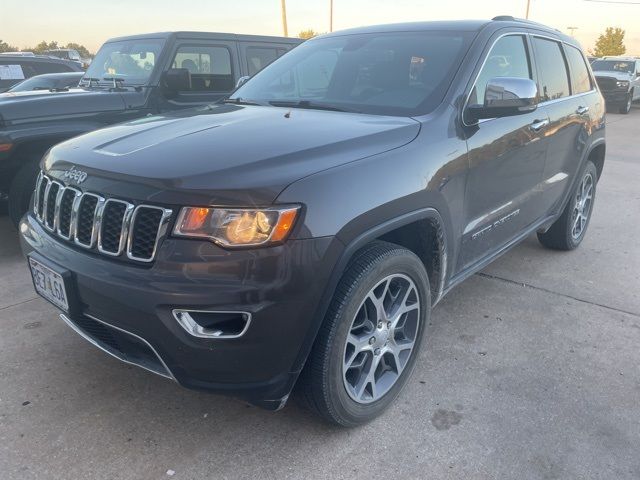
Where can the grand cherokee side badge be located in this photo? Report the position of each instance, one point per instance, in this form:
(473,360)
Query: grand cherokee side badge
(75,175)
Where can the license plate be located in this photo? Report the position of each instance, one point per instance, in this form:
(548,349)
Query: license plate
(49,284)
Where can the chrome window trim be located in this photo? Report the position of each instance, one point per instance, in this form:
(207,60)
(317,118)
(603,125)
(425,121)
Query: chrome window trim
(95,343)
(531,54)
(124,229)
(189,325)
(94,227)
(77,195)
(42,215)
(162,230)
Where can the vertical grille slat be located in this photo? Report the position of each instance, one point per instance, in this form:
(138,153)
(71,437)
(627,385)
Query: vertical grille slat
(113,227)
(51,202)
(109,225)
(85,220)
(65,211)
(145,230)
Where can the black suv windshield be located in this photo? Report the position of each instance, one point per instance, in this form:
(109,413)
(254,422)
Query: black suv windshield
(129,60)
(404,73)
(612,65)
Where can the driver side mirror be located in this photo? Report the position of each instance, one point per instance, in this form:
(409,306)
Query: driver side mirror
(506,97)
(177,80)
(242,80)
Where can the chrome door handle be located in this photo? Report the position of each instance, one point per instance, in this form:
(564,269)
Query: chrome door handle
(538,125)
(582,110)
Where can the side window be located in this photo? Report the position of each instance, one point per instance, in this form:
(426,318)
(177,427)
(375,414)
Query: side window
(260,57)
(580,78)
(507,58)
(210,67)
(554,81)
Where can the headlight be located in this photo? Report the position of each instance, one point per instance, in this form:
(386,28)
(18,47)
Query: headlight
(622,83)
(237,227)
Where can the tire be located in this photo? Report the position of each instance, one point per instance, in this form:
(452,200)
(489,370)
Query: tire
(563,234)
(625,108)
(378,271)
(21,189)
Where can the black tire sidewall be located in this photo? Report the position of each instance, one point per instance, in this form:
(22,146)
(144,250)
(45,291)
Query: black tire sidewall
(349,411)
(21,189)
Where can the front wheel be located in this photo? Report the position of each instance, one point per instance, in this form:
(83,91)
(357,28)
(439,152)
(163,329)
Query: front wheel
(371,336)
(625,108)
(569,229)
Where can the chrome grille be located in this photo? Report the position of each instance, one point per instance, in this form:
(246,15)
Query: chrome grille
(113,227)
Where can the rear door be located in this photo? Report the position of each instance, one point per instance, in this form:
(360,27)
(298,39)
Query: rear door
(506,160)
(213,66)
(568,108)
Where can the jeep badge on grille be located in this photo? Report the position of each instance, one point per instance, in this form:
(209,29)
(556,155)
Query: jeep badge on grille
(75,175)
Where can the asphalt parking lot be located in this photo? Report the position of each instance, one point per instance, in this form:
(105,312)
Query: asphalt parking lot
(531,370)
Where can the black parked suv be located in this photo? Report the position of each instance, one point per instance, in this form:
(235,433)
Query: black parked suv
(302,231)
(130,77)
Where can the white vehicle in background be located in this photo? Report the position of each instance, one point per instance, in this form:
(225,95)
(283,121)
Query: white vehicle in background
(619,81)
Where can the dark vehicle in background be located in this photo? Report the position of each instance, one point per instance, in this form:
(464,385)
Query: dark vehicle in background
(619,81)
(48,81)
(15,68)
(301,231)
(130,77)
(66,54)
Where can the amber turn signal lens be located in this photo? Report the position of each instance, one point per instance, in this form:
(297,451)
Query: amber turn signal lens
(284,225)
(194,219)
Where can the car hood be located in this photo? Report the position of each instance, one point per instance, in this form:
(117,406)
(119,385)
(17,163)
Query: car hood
(614,74)
(226,154)
(39,104)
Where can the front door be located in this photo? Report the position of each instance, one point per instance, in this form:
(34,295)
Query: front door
(506,161)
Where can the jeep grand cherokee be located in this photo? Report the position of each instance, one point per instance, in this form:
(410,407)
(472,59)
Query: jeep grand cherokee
(301,231)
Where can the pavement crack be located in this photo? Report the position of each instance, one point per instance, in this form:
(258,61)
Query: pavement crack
(19,303)
(541,289)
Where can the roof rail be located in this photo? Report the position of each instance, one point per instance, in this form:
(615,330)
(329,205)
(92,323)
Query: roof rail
(510,18)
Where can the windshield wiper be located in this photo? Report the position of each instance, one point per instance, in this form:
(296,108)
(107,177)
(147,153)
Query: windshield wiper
(90,80)
(241,101)
(310,105)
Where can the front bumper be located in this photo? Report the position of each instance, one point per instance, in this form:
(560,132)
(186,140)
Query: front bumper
(615,96)
(280,286)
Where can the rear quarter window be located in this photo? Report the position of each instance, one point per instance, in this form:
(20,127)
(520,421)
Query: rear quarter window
(580,78)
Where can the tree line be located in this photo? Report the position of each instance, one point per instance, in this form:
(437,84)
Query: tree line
(44,46)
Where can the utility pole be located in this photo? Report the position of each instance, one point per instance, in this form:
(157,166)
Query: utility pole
(528,5)
(331,15)
(284,17)
(572,30)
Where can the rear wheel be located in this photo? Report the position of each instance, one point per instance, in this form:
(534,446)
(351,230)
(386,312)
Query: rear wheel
(21,189)
(569,229)
(370,339)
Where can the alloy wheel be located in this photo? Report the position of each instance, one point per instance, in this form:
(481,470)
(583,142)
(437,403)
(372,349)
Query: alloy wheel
(582,206)
(381,338)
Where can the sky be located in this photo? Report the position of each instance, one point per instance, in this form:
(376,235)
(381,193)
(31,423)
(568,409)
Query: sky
(91,23)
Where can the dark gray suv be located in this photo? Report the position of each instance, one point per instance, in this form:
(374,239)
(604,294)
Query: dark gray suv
(301,231)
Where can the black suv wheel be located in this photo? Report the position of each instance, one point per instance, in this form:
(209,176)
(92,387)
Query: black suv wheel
(369,342)
(569,229)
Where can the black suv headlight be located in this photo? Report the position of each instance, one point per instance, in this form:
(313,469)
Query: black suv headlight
(622,83)
(237,227)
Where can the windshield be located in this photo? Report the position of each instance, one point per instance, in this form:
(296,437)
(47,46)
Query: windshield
(615,65)
(385,74)
(130,60)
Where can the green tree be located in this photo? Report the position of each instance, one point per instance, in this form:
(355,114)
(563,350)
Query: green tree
(611,42)
(82,50)
(41,47)
(307,34)
(5,47)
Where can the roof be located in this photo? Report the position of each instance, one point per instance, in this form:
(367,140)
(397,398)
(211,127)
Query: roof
(207,35)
